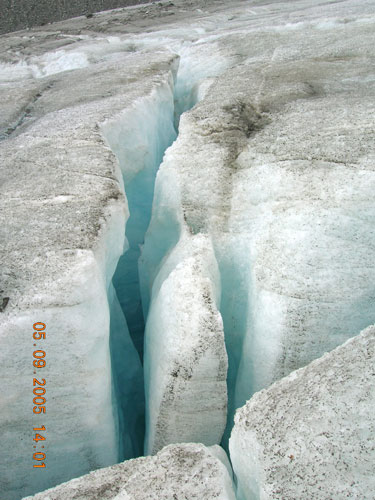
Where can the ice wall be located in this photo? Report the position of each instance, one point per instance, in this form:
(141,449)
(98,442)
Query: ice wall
(138,137)
(127,373)
(79,395)
(186,361)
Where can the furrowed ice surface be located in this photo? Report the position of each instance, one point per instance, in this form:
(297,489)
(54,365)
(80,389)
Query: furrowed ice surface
(64,206)
(310,435)
(275,167)
(199,64)
(185,355)
(180,471)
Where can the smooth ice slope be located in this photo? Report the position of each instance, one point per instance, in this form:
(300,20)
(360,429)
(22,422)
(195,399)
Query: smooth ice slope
(188,471)
(310,435)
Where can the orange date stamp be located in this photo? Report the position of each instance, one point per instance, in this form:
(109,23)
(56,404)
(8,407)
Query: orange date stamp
(39,392)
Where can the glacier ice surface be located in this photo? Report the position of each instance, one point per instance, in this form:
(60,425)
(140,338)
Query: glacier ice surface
(264,202)
(271,165)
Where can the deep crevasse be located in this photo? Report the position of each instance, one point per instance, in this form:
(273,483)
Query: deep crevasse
(185,354)
(139,138)
(220,188)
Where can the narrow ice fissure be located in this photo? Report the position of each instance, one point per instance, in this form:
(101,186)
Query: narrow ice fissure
(139,140)
(234,309)
(139,192)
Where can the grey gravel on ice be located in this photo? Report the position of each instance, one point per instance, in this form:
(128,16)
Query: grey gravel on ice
(311,435)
